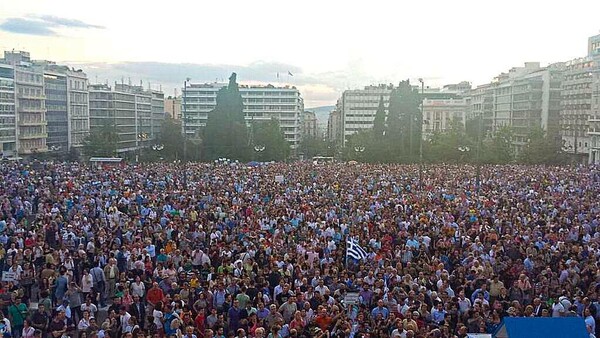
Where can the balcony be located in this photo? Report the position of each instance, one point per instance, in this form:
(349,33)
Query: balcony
(23,109)
(31,96)
(28,82)
(32,123)
(32,136)
(5,139)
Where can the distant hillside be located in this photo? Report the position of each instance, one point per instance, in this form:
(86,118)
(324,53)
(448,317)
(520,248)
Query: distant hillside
(322,114)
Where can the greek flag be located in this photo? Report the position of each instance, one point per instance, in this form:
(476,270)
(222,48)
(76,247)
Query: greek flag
(355,251)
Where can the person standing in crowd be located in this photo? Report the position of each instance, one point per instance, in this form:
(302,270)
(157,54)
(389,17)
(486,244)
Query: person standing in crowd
(17,313)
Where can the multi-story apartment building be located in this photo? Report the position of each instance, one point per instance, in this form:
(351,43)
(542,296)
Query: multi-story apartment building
(482,106)
(8,131)
(78,107)
(334,124)
(261,103)
(173,107)
(67,107)
(56,111)
(580,120)
(594,45)
(358,108)
(440,107)
(593,131)
(524,98)
(594,120)
(130,109)
(30,104)
(51,104)
(309,124)
(577,106)
(158,113)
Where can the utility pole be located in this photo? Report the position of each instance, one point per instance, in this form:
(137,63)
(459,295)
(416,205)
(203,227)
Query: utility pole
(478,177)
(575,131)
(139,138)
(185,141)
(185,117)
(421,136)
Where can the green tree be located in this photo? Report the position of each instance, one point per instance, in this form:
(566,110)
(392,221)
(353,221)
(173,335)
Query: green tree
(451,146)
(171,139)
(499,149)
(405,121)
(542,149)
(226,134)
(269,139)
(360,147)
(101,142)
(316,146)
(379,120)
(473,127)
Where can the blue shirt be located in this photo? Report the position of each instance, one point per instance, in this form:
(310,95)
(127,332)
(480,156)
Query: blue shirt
(486,295)
(61,287)
(438,315)
(376,311)
(234,318)
(151,249)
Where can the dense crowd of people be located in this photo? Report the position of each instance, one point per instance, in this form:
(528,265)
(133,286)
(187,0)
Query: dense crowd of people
(232,250)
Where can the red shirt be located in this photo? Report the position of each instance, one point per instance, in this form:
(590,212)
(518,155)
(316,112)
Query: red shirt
(199,321)
(155,295)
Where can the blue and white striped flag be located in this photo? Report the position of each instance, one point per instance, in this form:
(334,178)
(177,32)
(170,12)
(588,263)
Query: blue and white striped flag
(355,251)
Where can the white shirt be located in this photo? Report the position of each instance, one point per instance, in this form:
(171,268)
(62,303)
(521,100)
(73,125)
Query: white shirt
(125,322)
(138,289)
(157,315)
(86,283)
(92,308)
(557,310)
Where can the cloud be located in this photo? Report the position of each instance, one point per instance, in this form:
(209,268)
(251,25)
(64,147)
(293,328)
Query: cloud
(45,25)
(73,23)
(25,26)
(317,89)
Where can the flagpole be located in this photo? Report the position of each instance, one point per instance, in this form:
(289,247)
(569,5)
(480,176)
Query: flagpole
(347,252)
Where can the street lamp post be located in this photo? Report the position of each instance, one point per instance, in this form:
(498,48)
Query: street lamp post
(573,128)
(141,137)
(479,129)
(463,150)
(359,150)
(185,119)
(421,135)
(158,148)
(259,148)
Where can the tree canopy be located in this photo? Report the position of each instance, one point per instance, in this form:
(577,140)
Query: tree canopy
(101,142)
(226,134)
(269,141)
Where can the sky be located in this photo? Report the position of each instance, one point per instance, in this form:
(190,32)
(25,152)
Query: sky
(328,46)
